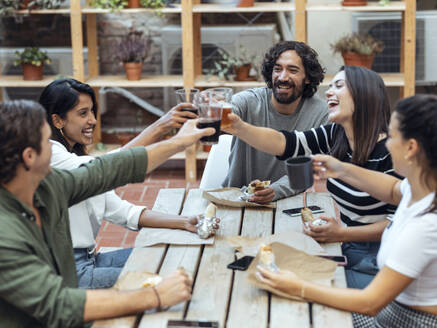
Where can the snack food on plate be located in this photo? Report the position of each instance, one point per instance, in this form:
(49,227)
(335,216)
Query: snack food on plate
(267,258)
(151,281)
(257,185)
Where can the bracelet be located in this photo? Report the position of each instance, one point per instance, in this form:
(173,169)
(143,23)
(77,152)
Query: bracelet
(158,308)
(302,290)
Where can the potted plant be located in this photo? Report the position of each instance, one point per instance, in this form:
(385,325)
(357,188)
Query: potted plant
(358,50)
(112,5)
(132,51)
(8,8)
(233,67)
(245,3)
(32,61)
(155,4)
(354,3)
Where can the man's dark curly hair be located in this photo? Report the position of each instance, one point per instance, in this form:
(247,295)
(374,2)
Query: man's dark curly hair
(313,70)
(21,123)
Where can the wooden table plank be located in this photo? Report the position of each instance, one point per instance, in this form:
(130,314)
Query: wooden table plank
(323,316)
(150,258)
(282,310)
(250,304)
(177,256)
(211,291)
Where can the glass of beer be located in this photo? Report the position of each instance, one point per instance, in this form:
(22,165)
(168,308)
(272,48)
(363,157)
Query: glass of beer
(224,95)
(187,96)
(210,116)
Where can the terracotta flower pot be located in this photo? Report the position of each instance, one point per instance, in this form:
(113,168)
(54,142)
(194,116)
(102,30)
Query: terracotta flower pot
(354,59)
(242,72)
(24,4)
(354,3)
(133,71)
(245,3)
(32,72)
(133,4)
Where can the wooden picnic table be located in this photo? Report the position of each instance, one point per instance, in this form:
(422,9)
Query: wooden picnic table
(220,294)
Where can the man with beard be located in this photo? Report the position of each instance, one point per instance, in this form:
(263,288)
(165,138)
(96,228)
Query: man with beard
(292,74)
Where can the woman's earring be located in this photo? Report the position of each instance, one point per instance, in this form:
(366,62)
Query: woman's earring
(410,162)
(60,130)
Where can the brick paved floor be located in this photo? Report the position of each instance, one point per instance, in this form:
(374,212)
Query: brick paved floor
(111,235)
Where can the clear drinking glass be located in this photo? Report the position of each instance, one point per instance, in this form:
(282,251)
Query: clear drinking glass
(187,96)
(210,115)
(225,96)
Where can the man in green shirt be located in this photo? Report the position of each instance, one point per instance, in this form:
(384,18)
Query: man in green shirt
(38,283)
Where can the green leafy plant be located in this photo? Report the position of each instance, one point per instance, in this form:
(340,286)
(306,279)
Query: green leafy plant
(133,48)
(361,44)
(225,67)
(45,4)
(112,5)
(32,56)
(155,4)
(8,8)
(384,2)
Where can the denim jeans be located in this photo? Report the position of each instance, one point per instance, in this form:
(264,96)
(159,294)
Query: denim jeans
(361,267)
(99,270)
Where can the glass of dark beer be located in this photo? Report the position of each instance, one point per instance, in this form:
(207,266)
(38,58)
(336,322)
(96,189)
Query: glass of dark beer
(223,95)
(187,96)
(210,116)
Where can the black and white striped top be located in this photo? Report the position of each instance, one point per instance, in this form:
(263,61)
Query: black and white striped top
(356,207)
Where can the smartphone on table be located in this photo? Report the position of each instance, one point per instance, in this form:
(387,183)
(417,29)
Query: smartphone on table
(340,259)
(296,211)
(241,264)
(191,323)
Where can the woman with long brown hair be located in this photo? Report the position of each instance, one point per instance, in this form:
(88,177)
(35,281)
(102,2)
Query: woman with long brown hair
(359,110)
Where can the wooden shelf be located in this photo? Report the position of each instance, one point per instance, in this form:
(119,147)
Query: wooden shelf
(371,6)
(213,81)
(257,7)
(44,11)
(201,155)
(155,81)
(17,81)
(165,10)
(390,79)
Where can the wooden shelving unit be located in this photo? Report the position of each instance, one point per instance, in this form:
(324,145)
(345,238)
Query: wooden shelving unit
(406,79)
(191,11)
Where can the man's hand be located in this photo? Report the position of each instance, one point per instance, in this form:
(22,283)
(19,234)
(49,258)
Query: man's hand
(332,231)
(235,125)
(263,196)
(175,118)
(189,134)
(174,288)
(191,221)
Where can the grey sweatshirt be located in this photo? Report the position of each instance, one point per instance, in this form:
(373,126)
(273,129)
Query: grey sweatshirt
(246,163)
